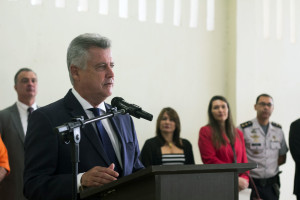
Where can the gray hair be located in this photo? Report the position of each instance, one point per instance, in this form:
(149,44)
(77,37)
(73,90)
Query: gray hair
(25,69)
(78,49)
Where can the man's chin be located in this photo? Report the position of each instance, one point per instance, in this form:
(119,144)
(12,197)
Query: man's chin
(31,94)
(266,116)
(106,95)
(109,93)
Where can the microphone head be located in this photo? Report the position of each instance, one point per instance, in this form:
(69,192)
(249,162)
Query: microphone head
(131,109)
(116,100)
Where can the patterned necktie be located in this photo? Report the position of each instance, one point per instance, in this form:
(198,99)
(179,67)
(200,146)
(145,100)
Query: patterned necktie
(106,142)
(29,110)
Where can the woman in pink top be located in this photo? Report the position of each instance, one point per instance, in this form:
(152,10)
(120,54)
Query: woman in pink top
(217,139)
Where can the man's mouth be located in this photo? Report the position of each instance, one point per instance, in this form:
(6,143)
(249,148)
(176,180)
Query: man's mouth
(110,82)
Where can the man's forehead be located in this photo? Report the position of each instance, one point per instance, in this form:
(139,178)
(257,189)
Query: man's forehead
(100,55)
(26,74)
(265,98)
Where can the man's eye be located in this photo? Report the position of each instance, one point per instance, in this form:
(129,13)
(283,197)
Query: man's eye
(101,67)
(112,65)
(24,80)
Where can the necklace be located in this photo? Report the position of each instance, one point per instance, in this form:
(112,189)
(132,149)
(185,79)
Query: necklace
(170,144)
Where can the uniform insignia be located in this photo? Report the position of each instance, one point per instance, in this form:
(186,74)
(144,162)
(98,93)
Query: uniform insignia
(246,124)
(255,137)
(276,125)
(275,139)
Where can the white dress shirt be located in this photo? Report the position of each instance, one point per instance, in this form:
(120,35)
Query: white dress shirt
(106,124)
(22,108)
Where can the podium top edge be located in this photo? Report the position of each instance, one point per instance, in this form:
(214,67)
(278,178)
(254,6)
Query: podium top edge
(238,167)
(171,169)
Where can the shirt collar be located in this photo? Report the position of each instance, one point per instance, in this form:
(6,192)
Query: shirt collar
(256,123)
(84,103)
(24,107)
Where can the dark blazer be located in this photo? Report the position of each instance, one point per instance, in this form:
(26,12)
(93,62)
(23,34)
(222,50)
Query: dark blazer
(48,169)
(151,152)
(11,129)
(294,143)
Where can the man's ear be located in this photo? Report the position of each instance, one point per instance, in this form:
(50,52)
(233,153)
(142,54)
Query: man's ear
(74,72)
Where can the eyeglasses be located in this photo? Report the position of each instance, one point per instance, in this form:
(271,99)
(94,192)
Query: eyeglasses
(263,104)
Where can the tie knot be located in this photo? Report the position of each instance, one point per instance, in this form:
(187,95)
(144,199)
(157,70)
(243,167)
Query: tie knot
(30,110)
(96,111)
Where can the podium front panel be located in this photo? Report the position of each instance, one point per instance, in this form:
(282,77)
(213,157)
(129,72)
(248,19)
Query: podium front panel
(201,186)
(201,182)
(131,191)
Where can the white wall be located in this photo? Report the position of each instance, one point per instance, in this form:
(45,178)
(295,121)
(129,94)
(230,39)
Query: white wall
(160,65)
(157,65)
(268,66)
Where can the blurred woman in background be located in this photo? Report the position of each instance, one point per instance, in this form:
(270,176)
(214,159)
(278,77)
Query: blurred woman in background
(167,148)
(219,141)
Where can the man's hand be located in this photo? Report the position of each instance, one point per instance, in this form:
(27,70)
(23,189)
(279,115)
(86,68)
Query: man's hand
(98,176)
(3,173)
(281,159)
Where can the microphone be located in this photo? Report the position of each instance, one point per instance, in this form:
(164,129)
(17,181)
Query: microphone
(132,109)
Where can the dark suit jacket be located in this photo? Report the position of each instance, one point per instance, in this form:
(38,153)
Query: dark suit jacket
(48,169)
(294,142)
(11,188)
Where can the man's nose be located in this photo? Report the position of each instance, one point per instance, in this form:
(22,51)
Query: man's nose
(110,72)
(30,82)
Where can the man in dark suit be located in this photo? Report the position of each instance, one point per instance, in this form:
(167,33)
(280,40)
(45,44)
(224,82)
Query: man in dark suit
(48,159)
(294,142)
(13,126)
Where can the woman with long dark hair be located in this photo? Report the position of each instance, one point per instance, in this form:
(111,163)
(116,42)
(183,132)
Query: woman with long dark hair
(219,141)
(167,148)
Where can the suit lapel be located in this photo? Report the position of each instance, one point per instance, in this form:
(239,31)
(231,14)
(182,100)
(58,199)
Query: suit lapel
(88,131)
(15,116)
(115,122)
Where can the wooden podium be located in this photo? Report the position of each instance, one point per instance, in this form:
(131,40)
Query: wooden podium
(179,182)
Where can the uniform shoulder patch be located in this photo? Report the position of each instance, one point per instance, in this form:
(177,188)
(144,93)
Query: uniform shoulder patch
(276,125)
(246,124)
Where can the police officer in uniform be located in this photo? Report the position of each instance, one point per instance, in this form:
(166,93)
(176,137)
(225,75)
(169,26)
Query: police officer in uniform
(266,146)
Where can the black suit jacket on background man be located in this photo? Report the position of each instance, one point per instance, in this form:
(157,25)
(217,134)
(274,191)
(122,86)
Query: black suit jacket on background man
(294,142)
(48,160)
(11,129)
